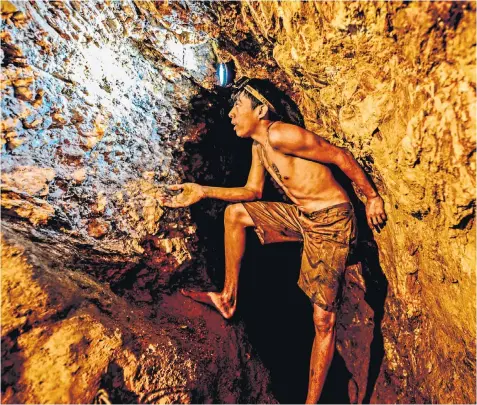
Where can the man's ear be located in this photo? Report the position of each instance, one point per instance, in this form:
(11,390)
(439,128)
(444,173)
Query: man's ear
(263,111)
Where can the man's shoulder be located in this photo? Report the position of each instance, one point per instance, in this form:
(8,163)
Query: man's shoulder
(284,126)
(282,132)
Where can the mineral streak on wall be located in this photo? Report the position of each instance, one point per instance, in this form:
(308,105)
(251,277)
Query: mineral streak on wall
(95,111)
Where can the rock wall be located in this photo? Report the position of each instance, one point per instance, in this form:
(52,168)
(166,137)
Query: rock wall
(95,101)
(66,338)
(96,105)
(91,123)
(95,113)
(394,83)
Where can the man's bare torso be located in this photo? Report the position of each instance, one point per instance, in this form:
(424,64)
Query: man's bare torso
(308,184)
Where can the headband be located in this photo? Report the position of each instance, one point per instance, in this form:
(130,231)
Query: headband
(259,97)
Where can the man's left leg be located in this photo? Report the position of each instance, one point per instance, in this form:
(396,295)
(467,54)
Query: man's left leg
(322,352)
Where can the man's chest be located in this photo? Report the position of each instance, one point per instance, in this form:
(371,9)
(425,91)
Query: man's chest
(280,166)
(289,170)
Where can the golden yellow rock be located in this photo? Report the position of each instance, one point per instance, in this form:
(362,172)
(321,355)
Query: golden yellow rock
(24,93)
(33,124)
(100,205)
(8,124)
(12,140)
(7,7)
(148,176)
(100,125)
(5,82)
(176,247)
(59,119)
(119,196)
(37,211)
(29,179)
(12,50)
(19,16)
(22,295)
(38,98)
(23,82)
(90,142)
(152,212)
(59,349)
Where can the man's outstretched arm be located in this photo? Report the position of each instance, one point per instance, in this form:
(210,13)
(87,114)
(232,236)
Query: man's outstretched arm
(192,192)
(293,140)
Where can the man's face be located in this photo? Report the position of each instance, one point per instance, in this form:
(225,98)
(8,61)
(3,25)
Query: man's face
(244,118)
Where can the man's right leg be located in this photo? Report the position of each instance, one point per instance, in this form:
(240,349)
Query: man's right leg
(236,219)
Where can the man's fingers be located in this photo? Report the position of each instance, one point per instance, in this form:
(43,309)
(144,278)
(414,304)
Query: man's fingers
(175,187)
(379,220)
(373,222)
(175,203)
(171,204)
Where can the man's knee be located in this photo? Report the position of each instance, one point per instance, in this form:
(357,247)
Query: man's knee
(236,214)
(324,320)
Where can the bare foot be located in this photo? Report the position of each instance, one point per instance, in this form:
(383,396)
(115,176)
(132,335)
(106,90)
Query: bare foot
(215,300)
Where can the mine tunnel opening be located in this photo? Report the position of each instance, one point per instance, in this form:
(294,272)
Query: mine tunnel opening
(276,313)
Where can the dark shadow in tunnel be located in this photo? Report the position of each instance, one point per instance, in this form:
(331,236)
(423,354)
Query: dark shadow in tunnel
(367,254)
(277,314)
(335,390)
(376,292)
(114,385)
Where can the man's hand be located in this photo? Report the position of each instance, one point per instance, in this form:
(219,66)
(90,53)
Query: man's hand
(190,194)
(375,213)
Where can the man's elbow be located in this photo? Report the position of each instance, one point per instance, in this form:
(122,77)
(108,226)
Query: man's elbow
(343,158)
(254,194)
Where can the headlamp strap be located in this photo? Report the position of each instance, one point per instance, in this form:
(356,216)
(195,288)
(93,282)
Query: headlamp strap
(259,97)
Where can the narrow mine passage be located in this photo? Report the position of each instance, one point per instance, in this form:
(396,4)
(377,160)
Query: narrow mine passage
(276,313)
(105,103)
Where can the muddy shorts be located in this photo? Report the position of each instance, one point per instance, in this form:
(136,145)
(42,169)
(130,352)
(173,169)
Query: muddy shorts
(327,236)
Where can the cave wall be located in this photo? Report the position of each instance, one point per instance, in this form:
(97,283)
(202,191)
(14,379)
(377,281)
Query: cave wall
(95,113)
(394,83)
(91,122)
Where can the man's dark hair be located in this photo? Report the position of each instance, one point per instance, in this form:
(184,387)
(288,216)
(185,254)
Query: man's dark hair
(286,109)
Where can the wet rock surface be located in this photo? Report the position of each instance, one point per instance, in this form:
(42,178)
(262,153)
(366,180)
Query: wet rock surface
(103,103)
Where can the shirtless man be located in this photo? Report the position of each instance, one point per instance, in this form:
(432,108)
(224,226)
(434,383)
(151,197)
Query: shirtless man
(321,214)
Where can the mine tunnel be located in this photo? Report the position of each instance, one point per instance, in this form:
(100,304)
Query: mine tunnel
(105,103)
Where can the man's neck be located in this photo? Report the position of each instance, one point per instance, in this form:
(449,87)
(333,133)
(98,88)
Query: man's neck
(261,132)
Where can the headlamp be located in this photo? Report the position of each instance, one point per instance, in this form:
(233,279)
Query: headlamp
(226,76)
(225,73)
